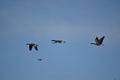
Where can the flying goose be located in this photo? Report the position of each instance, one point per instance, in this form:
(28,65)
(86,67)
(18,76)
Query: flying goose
(40,59)
(31,45)
(58,41)
(98,41)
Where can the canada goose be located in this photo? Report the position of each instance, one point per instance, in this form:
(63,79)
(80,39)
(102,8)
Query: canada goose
(98,41)
(31,45)
(58,41)
(40,59)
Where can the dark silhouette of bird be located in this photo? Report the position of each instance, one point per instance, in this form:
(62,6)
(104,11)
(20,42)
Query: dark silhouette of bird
(40,59)
(31,45)
(99,41)
(58,41)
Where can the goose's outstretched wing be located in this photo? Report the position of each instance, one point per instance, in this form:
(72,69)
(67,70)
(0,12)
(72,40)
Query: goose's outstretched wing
(96,39)
(30,47)
(101,39)
(36,48)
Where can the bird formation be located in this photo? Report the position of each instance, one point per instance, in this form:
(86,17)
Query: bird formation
(31,45)
(35,46)
(98,42)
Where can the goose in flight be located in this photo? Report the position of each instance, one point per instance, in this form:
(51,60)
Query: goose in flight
(98,41)
(31,45)
(40,59)
(58,41)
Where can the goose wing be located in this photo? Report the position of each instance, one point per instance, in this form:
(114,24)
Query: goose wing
(36,48)
(30,47)
(101,39)
(96,40)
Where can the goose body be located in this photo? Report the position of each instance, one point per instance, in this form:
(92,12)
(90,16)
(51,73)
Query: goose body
(98,41)
(31,45)
(58,41)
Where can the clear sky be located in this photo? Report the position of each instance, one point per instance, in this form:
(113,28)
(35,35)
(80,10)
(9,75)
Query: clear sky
(77,22)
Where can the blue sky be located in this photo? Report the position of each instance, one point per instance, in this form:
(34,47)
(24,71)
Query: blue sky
(77,22)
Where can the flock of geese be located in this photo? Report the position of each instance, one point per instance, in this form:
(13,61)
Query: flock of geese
(98,42)
(31,45)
